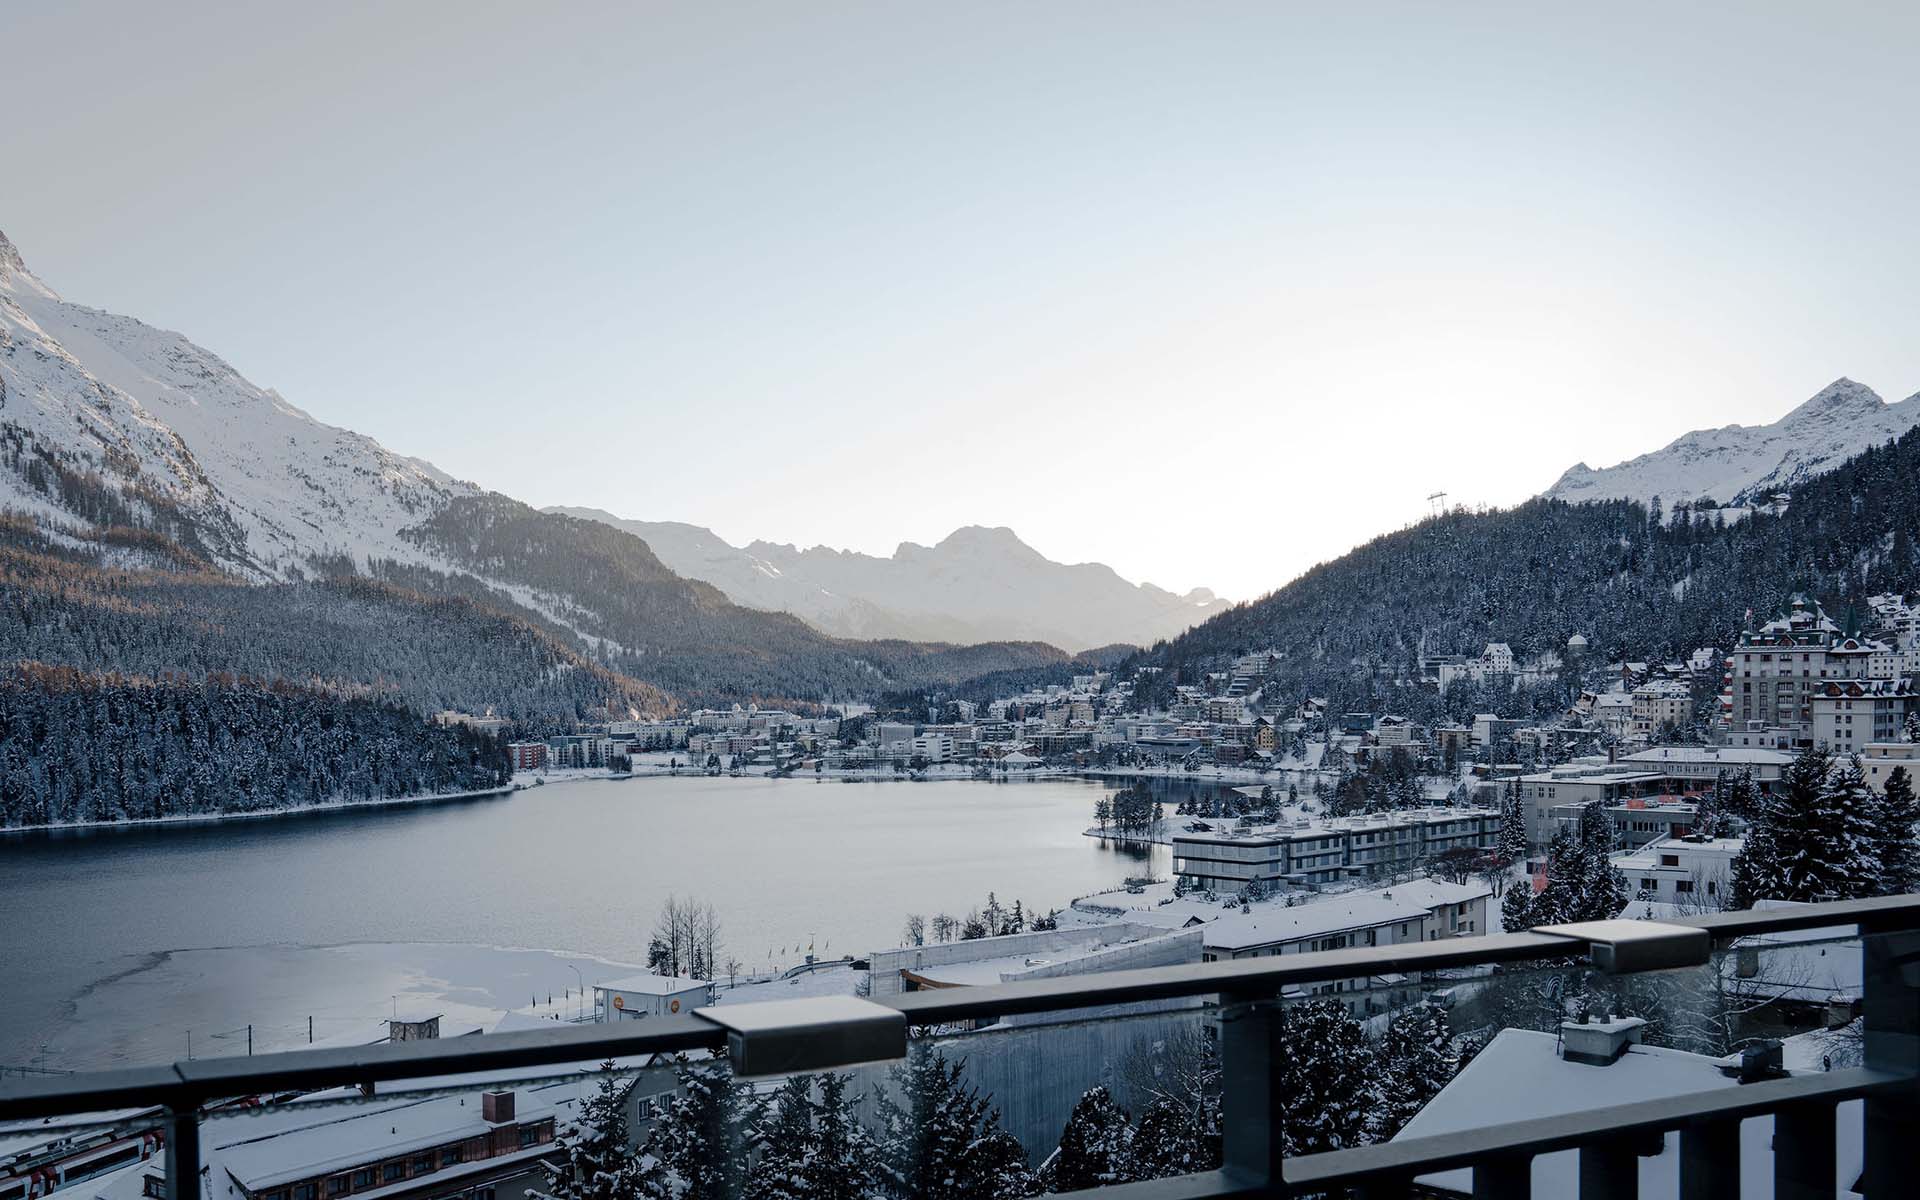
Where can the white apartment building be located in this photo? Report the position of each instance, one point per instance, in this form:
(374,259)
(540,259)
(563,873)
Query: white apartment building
(1850,714)
(934,747)
(1684,871)
(1309,852)
(1878,759)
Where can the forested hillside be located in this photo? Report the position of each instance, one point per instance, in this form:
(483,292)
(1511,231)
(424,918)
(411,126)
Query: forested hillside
(1638,584)
(349,636)
(604,584)
(84,747)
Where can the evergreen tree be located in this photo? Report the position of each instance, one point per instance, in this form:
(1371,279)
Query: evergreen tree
(1093,1146)
(1898,850)
(594,1160)
(706,1138)
(1813,841)
(1417,1059)
(786,1144)
(929,1134)
(996,1168)
(1582,882)
(1330,1077)
(845,1164)
(1168,1142)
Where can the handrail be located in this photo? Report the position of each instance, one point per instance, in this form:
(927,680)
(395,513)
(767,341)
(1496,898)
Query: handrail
(1405,1159)
(192,1083)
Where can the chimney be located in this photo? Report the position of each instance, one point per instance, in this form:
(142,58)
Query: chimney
(1598,1043)
(496,1108)
(1762,1061)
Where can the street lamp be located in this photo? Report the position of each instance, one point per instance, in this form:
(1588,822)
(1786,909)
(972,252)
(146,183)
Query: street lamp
(580,1005)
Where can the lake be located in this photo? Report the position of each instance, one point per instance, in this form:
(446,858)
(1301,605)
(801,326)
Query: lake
(122,944)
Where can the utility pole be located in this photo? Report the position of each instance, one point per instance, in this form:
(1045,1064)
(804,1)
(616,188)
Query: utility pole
(309,1030)
(249,1039)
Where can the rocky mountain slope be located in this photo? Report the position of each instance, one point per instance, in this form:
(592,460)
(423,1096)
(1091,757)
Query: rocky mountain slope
(1738,464)
(975,585)
(129,448)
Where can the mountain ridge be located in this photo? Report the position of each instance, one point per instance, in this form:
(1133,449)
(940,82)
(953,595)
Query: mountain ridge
(144,450)
(977,584)
(1735,465)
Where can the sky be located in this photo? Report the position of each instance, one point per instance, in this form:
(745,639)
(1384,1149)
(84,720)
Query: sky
(1208,292)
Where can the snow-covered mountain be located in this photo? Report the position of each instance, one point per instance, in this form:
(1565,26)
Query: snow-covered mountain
(128,445)
(1740,462)
(976,585)
(99,411)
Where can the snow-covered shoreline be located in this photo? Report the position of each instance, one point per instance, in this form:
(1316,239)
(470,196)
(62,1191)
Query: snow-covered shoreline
(252,814)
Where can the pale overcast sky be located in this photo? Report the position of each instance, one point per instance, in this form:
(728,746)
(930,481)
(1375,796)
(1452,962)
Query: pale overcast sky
(1208,292)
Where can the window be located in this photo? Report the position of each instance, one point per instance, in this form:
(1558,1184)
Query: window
(1683,885)
(422,1163)
(304,1191)
(363,1178)
(529,1134)
(450,1155)
(1669,860)
(392,1171)
(153,1185)
(338,1185)
(1648,885)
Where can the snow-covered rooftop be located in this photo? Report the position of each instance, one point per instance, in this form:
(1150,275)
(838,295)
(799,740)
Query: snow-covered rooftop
(651,985)
(1521,1076)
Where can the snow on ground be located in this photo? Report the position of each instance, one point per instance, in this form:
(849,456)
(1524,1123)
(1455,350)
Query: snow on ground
(143,1016)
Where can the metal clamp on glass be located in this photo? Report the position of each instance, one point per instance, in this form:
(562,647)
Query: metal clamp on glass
(1625,947)
(784,1037)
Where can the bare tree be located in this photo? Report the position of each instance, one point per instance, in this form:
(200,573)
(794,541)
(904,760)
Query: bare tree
(916,930)
(944,928)
(686,939)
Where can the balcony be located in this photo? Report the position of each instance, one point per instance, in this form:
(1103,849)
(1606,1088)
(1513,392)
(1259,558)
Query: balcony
(1712,1125)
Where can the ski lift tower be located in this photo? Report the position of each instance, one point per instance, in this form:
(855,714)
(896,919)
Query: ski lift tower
(1437,502)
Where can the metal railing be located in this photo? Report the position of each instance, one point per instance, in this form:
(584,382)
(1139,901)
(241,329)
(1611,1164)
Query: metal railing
(802,1035)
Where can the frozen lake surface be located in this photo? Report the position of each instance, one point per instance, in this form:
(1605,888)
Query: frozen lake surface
(117,942)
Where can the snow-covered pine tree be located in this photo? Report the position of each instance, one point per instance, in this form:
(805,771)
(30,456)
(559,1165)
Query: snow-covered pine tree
(594,1160)
(1899,852)
(995,1167)
(786,1140)
(845,1164)
(705,1141)
(1512,844)
(925,1133)
(1810,842)
(1168,1142)
(1856,813)
(1093,1146)
(1330,1076)
(1417,1060)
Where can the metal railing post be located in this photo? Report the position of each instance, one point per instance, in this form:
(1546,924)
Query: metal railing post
(1250,1099)
(1890,1009)
(183,1152)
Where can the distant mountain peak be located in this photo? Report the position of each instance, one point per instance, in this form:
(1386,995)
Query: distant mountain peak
(980,583)
(10,260)
(1841,394)
(1734,463)
(996,539)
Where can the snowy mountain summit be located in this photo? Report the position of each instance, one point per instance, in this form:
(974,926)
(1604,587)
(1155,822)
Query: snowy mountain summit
(1739,464)
(108,422)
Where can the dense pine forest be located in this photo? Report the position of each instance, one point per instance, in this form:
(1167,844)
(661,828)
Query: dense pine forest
(348,635)
(1639,582)
(87,747)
